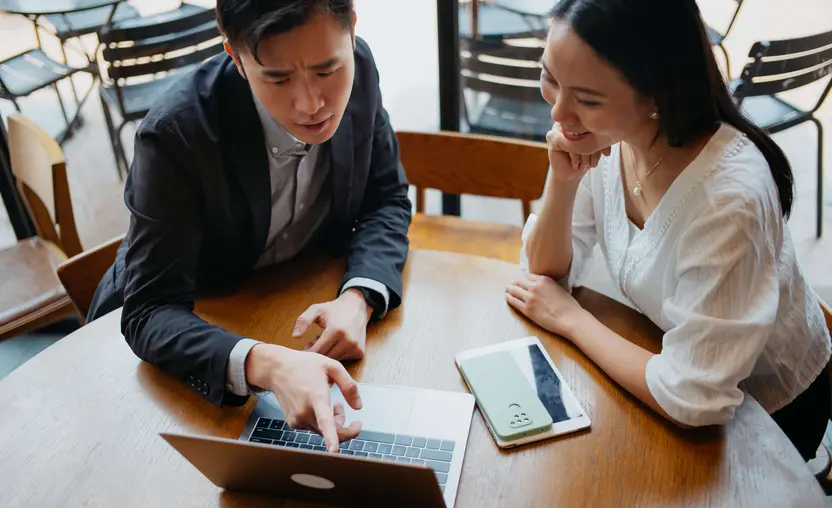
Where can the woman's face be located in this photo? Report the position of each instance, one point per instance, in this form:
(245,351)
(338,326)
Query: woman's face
(592,103)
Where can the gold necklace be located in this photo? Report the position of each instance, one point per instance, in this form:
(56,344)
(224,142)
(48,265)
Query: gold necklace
(637,190)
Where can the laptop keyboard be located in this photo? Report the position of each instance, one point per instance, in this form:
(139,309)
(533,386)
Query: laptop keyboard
(433,453)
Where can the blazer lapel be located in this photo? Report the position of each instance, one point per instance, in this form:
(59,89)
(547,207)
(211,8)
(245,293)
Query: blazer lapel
(246,149)
(342,169)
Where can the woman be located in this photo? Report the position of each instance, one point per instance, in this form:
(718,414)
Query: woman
(688,204)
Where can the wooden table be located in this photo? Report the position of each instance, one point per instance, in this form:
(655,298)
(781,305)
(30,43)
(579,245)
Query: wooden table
(80,422)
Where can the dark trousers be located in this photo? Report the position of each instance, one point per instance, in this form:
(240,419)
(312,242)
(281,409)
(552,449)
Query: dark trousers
(804,419)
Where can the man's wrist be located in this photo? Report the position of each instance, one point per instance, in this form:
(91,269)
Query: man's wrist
(355,294)
(261,363)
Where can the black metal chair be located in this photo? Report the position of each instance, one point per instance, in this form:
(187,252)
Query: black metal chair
(780,66)
(30,71)
(717,37)
(501,88)
(152,53)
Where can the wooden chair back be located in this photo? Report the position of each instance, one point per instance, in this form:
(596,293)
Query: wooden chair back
(81,274)
(39,167)
(780,66)
(458,163)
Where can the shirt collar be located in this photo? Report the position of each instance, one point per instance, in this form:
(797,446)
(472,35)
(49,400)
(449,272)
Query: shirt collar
(278,139)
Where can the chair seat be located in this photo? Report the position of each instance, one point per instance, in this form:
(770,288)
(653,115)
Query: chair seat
(31,71)
(772,113)
(513,118)
(32,292)
(495,21)
(139,97)
(74,24)
(714,36)
(454,234)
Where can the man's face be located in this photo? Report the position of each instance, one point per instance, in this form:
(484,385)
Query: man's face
(305,78)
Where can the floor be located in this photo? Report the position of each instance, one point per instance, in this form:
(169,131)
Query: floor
(409,81)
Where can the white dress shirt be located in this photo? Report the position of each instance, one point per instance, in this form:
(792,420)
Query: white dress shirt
(715,268)
(301,197)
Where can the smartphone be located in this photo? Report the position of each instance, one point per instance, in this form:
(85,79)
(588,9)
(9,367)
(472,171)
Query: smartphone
(540,376)
(506,400)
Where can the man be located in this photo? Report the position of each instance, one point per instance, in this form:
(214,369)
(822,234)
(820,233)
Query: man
(278,147)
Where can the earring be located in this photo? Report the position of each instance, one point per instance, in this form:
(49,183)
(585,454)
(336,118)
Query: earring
(654,115)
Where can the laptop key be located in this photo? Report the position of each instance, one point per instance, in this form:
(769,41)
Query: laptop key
(263,423)
(259,440)
(276,425)
(413,453)
(293,445)
(385,449)
(404,440)
(419,442)
(362,454)
(371,447)
(391,458)
(267,434)
(316,440)
(319,448)
(356,445)
(436,455)
(346,444)
(398,450)
(302,438)
(346,452)
(442,467)
(289,436)
(418,462)
(376,456)
(447,446)
(406,460)
(433,444)
(442,478)
(377,437)
(307,447)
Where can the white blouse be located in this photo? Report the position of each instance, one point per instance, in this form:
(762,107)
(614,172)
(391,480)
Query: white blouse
(715,268)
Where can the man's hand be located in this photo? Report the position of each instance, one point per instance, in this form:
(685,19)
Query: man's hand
(344,322)
(300,380)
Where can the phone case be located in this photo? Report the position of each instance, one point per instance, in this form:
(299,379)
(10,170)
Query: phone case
(504,396)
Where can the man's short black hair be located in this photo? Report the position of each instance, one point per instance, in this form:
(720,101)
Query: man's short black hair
(247,22)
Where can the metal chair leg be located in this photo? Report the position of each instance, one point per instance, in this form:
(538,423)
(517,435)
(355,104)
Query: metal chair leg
(61,102)
(16,105)
(727,62)
(71,80)
(121,147)
(111,131)
(820,176)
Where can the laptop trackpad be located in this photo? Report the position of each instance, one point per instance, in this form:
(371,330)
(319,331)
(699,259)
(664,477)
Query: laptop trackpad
(385,408)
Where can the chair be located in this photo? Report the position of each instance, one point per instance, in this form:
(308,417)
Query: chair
(81,274)
(717,38)
(459,163)
(478,19)
(32,295)
(30,71)
(503,80)
(152,53)
(780,66)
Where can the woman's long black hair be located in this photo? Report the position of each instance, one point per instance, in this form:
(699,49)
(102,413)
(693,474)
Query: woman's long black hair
(662,50)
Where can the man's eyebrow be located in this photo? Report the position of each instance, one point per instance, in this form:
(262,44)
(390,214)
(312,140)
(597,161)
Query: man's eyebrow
(280,73)
(588,91)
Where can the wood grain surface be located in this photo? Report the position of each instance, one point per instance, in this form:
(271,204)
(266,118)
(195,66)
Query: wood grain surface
(80,423)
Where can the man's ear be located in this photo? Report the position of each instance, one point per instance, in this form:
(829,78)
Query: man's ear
(236,57)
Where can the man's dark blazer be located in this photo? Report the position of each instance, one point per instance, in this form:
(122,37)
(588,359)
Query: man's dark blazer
(200,202)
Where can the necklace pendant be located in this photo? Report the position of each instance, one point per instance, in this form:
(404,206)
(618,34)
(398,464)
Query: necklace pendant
(637,190)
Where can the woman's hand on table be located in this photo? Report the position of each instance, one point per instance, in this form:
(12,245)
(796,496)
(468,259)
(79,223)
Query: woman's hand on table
(301,381)
(543,301)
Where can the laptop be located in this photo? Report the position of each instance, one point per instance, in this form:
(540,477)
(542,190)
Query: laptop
(409,452)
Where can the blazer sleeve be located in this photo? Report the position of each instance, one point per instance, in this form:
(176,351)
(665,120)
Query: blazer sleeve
(164,241)
(379,245)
